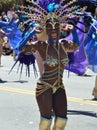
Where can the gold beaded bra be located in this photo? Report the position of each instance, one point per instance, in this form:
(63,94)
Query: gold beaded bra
(52,61)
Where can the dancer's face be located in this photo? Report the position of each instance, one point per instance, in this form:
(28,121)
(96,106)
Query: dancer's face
(53,28)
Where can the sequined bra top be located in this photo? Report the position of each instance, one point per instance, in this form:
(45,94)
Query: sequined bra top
(54,61)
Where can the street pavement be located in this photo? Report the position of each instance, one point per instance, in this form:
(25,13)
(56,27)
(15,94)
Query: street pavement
(18,106)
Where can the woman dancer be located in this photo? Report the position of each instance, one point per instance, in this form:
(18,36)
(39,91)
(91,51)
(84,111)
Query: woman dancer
(50,91)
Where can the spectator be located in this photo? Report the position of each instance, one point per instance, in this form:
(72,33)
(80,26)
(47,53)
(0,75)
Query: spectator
(6,47)
(4,17)
(2,35)
(10,13)
(94,93)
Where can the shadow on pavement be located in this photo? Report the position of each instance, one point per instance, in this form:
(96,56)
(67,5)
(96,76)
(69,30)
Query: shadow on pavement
(20,81)
(2,81)
(86,113)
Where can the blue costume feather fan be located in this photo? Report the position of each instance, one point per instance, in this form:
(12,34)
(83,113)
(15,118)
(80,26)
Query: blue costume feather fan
(91,46)
(23,58)
(15,35)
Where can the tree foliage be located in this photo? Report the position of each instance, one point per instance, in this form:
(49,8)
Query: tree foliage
(6,4)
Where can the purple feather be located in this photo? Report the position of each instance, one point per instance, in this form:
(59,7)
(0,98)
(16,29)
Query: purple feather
(78,58)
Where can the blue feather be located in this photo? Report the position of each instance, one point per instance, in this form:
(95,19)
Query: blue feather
(45,3)
(52,7)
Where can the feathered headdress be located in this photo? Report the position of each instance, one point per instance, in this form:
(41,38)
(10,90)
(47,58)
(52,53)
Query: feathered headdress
(42,10)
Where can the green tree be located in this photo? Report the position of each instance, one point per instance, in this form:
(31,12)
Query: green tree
(6,4)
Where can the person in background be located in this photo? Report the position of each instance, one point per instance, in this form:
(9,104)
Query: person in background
(4,17)
(7,50)
(91,50)
(10,13)
(2,35)
(94,92)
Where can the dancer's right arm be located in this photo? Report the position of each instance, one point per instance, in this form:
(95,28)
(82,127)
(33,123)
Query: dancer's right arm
(25,39)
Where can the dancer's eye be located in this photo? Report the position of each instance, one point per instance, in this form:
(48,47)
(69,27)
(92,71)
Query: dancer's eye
(49,27)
